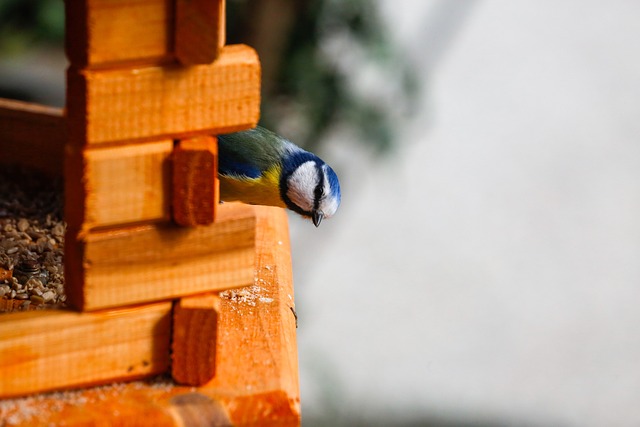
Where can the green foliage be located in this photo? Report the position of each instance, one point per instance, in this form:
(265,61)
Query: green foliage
(328,43)
(26,23)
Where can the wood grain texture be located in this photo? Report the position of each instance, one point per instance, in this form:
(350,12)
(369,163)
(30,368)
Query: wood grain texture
(104,32)
(123,185)
(155,102)
(10,305)
(198,30)
(156,403)
(261,323)
(46,350)
(160,261)
(195,322)
(195,194)
(256,381)
(32,136)
(197,409)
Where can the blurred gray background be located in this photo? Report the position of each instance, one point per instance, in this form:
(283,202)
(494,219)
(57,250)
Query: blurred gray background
(484,268)
(487,273)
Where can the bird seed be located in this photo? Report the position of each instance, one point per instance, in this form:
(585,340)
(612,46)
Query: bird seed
(31,240)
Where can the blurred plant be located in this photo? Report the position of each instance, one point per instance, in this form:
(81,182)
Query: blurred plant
(25,23)
(325,63)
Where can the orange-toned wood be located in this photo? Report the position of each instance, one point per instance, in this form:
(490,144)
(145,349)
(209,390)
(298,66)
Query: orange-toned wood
(32,135)
(222,28)
(9,305)
(5,274)
(121,185)
(171,101)
(104,32)
(195,321)
(125,90)
(157,403)
(198,30)
(195,194)
(51,349)
(117,405)
(256,380)
(260,318)
(160,261)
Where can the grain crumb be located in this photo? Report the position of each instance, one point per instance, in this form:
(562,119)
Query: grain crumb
(247,295)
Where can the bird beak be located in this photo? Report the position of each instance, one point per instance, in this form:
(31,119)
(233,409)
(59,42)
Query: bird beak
(317,216)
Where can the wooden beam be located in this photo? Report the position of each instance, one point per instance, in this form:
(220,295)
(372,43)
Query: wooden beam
(153,262)
(195,193)
(115,105)
(32,136)
(195,322)
(157,403)
(104,32)
(261,320)
(128,183)
(198,30)
(119,185)
(47,350)
(9,305)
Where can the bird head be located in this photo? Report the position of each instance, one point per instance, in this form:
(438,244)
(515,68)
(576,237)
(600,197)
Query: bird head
(309,186)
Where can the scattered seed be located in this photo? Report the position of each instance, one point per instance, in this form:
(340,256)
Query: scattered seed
(48,296)
(295,315)
(37,299)
(31,238)
(58,230)
(23,224)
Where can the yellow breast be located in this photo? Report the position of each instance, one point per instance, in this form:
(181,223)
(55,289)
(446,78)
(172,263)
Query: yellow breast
(264,190)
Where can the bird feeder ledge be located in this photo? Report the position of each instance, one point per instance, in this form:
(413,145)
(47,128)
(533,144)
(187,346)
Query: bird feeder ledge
(160,278)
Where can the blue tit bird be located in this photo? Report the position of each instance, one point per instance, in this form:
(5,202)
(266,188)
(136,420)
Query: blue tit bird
(259,167)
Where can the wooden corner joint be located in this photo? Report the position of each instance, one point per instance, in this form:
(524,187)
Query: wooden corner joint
(199,30)
(195,181)
(195,322)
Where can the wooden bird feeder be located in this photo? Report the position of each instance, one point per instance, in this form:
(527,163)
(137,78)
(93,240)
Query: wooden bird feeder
(160,278)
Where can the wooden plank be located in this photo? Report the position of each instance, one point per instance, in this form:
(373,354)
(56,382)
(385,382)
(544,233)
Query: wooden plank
(155,102)
(195,321)
(159,261)
(119,185)
(104,32)
(9,305)
(257,324)
(222,28)
(128,183)
(199,27)
(46,350)
(195,181)
(32,135)
(248,391)
(156,403)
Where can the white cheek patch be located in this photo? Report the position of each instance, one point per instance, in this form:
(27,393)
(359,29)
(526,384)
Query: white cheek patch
(329,203)
(301,185)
